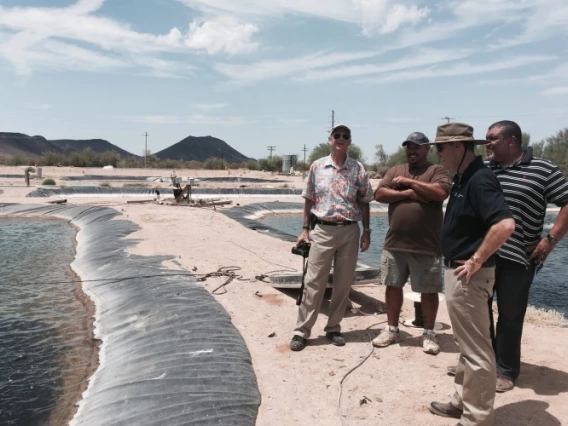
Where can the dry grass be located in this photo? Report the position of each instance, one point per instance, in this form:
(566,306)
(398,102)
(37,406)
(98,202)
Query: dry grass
(540,317)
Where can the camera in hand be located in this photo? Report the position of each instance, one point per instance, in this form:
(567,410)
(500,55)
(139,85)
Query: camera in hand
(302,249)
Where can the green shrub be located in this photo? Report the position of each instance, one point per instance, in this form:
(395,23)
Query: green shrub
(48,182)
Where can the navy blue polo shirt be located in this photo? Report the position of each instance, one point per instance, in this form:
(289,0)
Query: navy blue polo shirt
(476,203)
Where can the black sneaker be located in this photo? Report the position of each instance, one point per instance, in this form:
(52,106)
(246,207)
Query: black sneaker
(336,338)
(298,343)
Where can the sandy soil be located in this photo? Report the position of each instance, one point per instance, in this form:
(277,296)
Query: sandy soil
(390,386)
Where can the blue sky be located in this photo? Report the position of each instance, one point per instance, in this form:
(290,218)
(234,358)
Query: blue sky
(259,73)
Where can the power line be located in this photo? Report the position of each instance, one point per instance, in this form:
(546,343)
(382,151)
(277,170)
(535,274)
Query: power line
(271,148)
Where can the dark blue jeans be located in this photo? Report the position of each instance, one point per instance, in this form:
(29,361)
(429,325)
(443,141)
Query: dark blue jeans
(512,285)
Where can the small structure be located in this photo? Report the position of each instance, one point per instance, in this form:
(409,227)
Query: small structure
(288,162)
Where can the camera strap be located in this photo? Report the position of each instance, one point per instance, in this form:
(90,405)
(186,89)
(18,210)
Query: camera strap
(299,300)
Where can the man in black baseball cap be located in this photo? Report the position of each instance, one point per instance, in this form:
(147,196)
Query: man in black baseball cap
(414,192)
(417,138)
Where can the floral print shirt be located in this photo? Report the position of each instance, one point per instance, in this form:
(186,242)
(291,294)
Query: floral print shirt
(336,191)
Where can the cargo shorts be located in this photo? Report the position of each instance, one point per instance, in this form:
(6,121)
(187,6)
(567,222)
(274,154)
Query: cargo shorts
(423,270)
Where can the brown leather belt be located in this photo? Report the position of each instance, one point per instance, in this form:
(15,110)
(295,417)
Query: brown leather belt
(335,222)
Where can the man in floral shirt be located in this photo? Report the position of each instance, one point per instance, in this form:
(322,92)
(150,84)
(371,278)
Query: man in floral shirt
(337,195)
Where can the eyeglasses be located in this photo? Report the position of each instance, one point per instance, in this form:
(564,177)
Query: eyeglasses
(346,136)
(439,147)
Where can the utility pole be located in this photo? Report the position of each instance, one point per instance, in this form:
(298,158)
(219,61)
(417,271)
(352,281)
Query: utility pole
(332,119)
(145,149)
(305,150)
(448,118)
(271,148)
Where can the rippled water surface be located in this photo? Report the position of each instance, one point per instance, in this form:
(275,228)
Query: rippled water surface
(45,348)
(549,289)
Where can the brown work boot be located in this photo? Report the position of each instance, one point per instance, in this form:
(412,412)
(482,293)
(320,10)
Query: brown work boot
(445,410)
(504,384)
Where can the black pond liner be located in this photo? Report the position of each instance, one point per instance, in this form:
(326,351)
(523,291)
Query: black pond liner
(104,190)
(237,179)
(250,214)
(169,352)
(108,178)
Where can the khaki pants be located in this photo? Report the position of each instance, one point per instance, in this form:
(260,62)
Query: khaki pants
(475,374)
(339,244)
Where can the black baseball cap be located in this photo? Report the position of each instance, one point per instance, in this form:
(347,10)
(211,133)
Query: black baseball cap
(416,137)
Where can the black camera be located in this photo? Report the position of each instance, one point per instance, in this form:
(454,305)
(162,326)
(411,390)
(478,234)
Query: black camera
(302,249)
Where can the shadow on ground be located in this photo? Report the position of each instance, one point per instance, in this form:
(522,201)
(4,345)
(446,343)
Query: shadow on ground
(525,413)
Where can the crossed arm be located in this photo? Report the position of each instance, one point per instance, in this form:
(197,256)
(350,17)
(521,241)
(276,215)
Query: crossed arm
(417,191)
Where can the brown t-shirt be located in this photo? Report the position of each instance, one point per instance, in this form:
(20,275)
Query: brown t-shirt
(415,226)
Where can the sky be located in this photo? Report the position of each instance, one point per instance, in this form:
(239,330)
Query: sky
(269,73)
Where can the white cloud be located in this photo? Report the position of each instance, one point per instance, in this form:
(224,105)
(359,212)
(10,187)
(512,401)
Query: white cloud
(222,34)
(267,69)
(210,107)
(373,16)
(419,58)
(399,15)
(463,68)
(74,38)
(562,90)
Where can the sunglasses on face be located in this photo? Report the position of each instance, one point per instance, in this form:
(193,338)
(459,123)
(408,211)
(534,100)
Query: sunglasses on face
(346,136)
(439,147)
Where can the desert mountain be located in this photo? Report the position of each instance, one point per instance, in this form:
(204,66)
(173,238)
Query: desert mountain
(12,144)
(200,148)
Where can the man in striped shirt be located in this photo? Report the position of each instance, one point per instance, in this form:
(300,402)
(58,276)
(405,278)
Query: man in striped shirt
(529,184)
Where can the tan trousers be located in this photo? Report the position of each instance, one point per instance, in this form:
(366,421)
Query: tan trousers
(475,374)
(339,244)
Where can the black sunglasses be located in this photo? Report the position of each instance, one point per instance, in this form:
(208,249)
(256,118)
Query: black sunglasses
(346,136)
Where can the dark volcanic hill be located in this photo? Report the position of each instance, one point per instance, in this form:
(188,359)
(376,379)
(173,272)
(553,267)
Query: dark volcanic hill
(12,144)
(200,148)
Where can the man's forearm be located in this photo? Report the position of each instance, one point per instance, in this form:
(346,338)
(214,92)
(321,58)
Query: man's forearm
(430,191)
(364,214)
(560,226)
(388,195)
(308,204)
(494,239)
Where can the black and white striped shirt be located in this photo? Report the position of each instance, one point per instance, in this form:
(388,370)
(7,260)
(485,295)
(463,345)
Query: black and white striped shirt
(528,186)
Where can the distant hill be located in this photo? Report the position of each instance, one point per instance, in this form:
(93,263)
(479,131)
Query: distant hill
(200,148)
(12,144)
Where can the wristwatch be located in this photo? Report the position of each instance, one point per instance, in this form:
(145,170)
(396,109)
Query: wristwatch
(551,239)
(475,259)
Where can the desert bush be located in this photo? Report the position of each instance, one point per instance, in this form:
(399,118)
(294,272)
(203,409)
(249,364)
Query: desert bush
(48,182)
